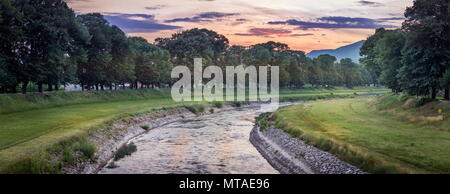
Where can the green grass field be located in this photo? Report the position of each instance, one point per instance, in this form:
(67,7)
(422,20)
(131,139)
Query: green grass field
(400,139)
(31,123)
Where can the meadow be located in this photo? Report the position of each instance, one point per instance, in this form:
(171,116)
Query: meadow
(389,134)
(34,122)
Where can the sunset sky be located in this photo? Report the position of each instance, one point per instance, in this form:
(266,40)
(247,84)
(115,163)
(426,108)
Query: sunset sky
(303,24)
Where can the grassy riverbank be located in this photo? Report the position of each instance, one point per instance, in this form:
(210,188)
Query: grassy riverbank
(34,122)
(390,134)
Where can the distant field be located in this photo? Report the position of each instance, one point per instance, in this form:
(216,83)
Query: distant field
(33,122)
(387,135)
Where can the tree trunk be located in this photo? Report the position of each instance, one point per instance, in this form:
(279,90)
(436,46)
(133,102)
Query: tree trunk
(56,87)
(14,89)
(82,87)
(447,94)
(50,87)
(102,87)
(2,89)
(40,90)
(433,93)
(24,87)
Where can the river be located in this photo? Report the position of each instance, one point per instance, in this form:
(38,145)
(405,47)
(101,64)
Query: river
(209,144)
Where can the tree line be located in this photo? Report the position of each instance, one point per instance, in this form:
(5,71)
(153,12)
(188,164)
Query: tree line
(45,44)
(416,58)
(296,70)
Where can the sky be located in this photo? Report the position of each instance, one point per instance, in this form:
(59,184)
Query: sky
(302,24)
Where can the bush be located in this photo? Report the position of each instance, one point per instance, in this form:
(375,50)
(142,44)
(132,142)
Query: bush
(145,127)
(217,104)
(239,103)
(40,163)
(87,149)
(125,150)
(422,101)
(264,121)
(196,108)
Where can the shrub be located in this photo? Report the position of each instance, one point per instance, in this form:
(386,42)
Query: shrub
(87,149)
(217,104)
(68,157)
(422,101)
(239,103)
(196,108)
(264,121)
(41,163)
(125,150)
(145,127)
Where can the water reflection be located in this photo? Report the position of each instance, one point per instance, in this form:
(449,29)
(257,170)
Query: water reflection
(215,143)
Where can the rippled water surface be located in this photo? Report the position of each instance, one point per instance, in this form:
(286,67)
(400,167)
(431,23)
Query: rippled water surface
(217,143)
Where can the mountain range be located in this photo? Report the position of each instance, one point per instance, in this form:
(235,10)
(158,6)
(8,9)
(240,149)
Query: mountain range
(350,51)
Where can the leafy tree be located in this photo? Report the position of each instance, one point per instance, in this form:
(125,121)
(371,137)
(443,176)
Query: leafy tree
(234,56)
(190,44)
(325,67)
(370,54)
(427,49)
(258,55)
(94,70)
(445,83)
(153,64)
(297,68)
(123,70)
(47,43)
(389,58)
(351,73)
(10,37)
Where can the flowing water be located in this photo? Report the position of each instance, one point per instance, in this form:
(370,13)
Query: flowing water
(216,143)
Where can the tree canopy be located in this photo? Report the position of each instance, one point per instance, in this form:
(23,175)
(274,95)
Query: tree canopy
(413,59)
(46,45)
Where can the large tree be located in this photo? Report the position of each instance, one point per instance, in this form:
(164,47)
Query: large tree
(427,52)
(326,69)
(350,72)
(370,54)
(123,69)
(10,48)
(445,83)
(94,71)
(190,44)
(152,63)
(389,58)
(49,36)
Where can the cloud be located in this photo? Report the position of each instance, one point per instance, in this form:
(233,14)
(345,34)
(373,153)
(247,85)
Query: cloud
(335,22)
(307,34)
(370,3)
(392,19)
(265,32)
(155,7)
(202,17)
(137,23)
